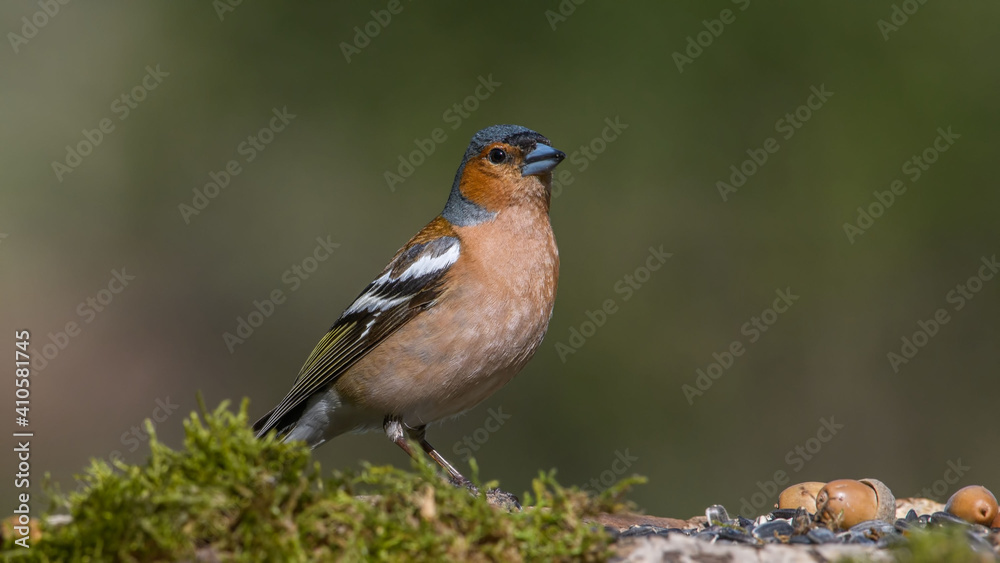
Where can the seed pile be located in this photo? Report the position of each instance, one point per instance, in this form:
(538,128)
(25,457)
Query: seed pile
(846,511)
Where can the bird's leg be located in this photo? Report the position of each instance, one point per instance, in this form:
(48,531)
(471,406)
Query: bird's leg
(419,434)
(398,433)
(394,430)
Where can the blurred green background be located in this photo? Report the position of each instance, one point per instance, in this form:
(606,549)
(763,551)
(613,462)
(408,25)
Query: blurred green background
(619,395)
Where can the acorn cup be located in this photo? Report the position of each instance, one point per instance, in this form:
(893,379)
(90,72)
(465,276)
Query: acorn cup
(845,503)
(802,495)
(975,504)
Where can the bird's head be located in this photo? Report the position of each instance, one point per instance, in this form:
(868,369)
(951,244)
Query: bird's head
(504,165)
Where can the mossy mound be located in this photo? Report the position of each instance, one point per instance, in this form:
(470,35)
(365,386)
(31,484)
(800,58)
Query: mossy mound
(943,545)
(228,496)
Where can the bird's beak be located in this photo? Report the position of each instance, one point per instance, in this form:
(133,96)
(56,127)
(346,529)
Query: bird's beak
(541,159)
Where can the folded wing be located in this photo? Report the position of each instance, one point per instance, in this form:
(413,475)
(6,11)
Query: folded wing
(411,283)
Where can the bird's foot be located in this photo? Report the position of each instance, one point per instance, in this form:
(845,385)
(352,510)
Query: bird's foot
(503,499)
(496,497)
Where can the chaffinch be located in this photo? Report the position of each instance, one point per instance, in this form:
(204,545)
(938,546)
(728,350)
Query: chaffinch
(459,310)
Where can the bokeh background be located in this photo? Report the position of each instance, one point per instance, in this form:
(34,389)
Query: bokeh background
(562,69)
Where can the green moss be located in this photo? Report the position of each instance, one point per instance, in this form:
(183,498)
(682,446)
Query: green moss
(949,544)
(230,495)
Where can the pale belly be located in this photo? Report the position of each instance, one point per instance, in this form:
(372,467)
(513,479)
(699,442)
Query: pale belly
(445,361)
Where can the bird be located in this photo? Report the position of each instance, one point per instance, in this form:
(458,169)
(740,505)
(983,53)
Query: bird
(453,317)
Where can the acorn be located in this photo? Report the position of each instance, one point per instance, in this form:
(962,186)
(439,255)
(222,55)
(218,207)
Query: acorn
(886,500)
(975,504)
(846,502)
(802,495)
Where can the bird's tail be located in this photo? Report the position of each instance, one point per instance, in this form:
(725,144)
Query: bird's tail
(263,425)
(283,424)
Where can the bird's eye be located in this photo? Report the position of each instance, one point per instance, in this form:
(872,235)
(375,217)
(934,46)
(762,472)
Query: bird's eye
(497,156)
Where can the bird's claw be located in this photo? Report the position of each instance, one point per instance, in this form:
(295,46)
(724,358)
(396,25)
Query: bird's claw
(495,496)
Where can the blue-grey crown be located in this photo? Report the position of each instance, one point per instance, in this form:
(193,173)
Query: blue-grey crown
(462,212)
